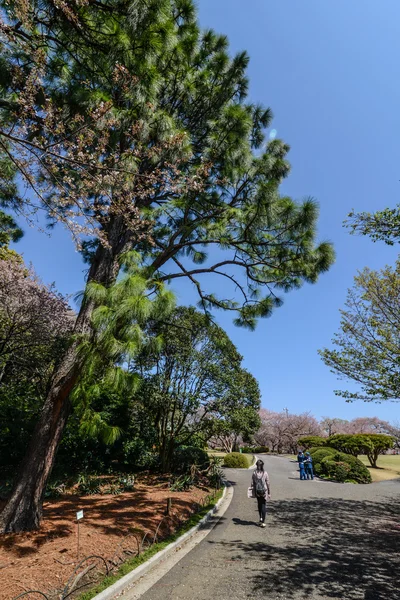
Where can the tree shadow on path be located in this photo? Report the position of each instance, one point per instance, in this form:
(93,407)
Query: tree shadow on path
(328,548)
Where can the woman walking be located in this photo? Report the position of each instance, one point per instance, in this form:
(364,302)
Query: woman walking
(261,489)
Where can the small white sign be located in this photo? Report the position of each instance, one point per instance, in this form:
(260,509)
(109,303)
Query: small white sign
(79,515)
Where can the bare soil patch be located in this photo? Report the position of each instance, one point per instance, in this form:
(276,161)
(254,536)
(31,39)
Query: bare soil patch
(44,560)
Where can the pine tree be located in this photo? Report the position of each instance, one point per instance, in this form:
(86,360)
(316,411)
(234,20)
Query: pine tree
(171,161)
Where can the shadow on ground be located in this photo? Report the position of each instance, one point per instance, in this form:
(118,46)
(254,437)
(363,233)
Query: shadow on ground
(327,548)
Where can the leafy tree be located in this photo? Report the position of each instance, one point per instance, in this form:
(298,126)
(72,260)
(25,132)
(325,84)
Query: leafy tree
(353,444)
(367,350)
(35,327)
(380,444)
(194,383)
(384,225)
(312,441)
(240,424)
(128,119)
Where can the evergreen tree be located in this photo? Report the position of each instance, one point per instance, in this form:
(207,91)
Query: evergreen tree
(141,127)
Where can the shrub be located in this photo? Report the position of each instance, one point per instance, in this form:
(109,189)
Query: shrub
(186,456)
(247,450)
(318,454)
(312,441)
(261,449)
(235,460)
(358,472)
(340,466)
(88,485)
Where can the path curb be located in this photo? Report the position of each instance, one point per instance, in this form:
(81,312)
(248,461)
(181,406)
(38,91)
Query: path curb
(119,586)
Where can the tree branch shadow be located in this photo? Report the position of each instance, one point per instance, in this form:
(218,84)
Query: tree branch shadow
(328,548)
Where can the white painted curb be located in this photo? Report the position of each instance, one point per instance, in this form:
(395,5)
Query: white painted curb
(119,586)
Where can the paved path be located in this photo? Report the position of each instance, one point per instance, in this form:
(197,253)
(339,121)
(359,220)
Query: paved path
(322,541)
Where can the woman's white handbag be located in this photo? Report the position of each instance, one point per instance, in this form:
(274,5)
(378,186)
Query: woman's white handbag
(250,492)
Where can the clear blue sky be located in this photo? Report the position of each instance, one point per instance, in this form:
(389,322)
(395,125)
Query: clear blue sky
(329,71)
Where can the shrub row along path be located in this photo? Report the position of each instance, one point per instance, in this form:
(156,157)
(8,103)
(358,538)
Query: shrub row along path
(323,540)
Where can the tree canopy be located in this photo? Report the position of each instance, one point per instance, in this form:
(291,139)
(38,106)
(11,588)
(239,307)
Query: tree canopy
(193,381)
(367,344)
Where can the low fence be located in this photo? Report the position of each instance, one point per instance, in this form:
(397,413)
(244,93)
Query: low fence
(89,571)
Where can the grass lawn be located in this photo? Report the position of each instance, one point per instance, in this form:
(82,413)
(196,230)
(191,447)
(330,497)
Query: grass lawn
(389,467)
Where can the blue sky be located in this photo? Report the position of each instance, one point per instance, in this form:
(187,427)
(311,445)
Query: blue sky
(329,71)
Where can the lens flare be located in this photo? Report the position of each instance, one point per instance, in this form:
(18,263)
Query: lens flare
(272,134)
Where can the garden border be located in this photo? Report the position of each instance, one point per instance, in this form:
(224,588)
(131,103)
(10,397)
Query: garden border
(119,586)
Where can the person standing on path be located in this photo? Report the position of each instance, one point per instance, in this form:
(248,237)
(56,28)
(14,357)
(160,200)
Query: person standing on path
(300,460)
(309,466)
(261,489)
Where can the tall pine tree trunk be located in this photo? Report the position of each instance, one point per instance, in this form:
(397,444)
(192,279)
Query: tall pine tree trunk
(23,511)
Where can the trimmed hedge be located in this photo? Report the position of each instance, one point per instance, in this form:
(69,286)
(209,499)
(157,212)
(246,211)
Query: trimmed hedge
(331,464)
(236,460)
(256,450)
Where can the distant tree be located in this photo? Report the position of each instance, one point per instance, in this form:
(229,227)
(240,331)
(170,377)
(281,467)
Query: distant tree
(368,425)
(281,431)
(354,444)
(236,427)
(380,444)
(367,350)
(333,425)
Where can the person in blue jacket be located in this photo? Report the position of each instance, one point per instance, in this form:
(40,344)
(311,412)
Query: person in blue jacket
(308,466)
(300,460)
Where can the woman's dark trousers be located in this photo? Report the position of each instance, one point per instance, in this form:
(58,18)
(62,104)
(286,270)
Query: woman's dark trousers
(262,507)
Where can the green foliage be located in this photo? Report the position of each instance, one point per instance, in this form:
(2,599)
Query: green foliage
(236,460)
(186,456)
(214,472)
(330,463)
(88,485)
(193,385)
(336,470)
(9,230)
(261,449)
(383,225)
(318,454)
(310,441)
(255,449)
(353,444)
(380,444)
(366,346)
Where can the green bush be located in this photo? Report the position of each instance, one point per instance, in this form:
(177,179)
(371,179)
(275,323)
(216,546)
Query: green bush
(235,460)
(339,466)
(311,441)
(318,454)
(358,472)
(354,444)
(186,456)
(261,449)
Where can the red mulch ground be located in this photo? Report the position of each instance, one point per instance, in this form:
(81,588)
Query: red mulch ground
(44,560)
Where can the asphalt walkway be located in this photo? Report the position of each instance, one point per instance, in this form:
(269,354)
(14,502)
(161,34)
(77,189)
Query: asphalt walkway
(323,541)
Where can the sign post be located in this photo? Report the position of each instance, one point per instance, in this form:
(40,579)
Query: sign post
(79,516)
